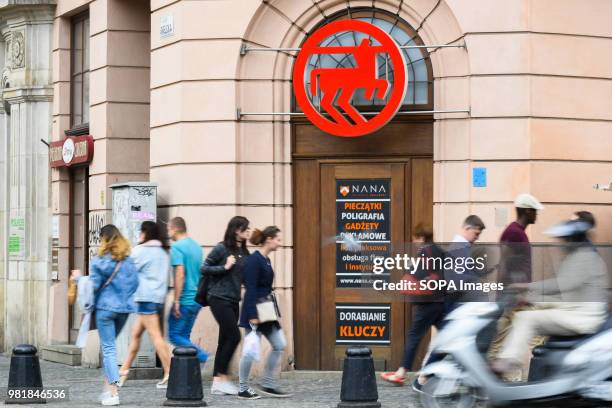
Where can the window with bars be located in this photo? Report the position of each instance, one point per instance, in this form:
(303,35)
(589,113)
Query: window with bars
(419,92)
(79,70)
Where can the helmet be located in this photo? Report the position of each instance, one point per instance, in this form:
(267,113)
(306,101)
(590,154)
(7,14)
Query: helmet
(567,229)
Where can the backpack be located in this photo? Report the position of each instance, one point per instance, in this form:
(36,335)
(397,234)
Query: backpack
(425,274)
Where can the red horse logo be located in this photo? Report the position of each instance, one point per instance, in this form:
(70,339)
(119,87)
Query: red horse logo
(348,80)
(337,86)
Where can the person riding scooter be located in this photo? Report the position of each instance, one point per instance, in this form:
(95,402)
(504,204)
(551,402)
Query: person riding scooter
(575,302)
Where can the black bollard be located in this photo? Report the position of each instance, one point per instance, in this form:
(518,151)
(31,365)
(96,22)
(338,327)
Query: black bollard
(24,375)
(358,380)
(185,381)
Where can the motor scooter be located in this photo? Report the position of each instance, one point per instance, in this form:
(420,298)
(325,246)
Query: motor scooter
(563,370)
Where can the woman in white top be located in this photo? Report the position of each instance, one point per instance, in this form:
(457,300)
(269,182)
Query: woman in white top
(152,261)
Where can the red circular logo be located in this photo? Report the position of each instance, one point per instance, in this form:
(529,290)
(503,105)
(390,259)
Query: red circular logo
(337,85)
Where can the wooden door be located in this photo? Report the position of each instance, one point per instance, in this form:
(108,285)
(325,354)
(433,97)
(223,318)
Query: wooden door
(399,154)
(346,279)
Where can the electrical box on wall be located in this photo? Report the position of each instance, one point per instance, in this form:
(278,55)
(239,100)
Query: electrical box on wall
(133,203)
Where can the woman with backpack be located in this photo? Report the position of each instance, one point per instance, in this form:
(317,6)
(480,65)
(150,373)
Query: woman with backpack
(223,271)
(153,265)
(259,300)
(114,279)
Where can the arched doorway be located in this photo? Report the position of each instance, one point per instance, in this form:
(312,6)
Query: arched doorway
(398,159)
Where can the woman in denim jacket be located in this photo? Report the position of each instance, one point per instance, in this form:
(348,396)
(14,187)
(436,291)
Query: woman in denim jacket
(153,264)
(114,301)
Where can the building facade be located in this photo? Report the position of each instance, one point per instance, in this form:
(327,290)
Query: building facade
(25,130)
(170,95)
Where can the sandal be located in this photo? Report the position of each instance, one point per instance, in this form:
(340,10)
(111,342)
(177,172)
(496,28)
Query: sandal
(393,378)
(123,376)
(163,384)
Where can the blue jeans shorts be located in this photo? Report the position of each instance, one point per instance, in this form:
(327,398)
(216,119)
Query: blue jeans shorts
(147,308)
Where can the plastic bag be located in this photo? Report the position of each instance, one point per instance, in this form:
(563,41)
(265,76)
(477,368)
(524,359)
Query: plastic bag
(85,295)
(252,346)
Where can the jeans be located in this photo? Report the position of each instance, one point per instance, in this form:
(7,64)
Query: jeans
(425,316)
(276,337)
(109,326)
(226,314)
(179,330)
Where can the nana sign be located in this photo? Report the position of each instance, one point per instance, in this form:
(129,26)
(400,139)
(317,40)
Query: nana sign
(72,151)
(337,115)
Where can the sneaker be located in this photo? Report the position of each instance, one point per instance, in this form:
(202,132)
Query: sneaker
(223,388)
(416,386)
(249,394)
(274,392)
(111,400)
(103,395)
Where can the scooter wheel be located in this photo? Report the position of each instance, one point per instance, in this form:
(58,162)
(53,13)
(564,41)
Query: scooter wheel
(437,395)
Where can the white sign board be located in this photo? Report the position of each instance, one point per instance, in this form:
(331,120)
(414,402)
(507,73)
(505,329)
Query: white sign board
(16,238)
(166,26)
(55,227)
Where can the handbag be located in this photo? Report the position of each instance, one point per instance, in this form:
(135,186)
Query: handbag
(72,292)
(267,309)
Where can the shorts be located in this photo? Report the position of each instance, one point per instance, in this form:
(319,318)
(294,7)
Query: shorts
(148,308)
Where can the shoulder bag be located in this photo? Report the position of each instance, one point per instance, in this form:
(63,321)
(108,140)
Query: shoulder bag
(267,309)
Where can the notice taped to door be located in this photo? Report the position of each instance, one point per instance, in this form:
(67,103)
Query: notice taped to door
(363,230)
(358,323)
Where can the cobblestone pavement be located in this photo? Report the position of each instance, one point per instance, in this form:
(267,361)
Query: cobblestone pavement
(309,391)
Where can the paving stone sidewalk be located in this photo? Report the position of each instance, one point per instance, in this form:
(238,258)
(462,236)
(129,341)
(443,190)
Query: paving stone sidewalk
(310,390)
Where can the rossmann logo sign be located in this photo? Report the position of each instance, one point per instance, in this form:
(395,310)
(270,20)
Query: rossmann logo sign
(336,86)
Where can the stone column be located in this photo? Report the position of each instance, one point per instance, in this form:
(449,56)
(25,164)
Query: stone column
(27,97)
(119,108)
(3,205)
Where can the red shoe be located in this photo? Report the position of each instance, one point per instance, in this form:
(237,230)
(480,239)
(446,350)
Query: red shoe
(392,378)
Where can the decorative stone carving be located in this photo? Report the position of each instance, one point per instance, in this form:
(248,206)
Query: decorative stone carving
(18,49)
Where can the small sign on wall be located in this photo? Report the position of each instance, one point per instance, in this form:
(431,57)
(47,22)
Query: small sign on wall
(363,323)
(16,238)
(479,177)
(55,227)
(166,26)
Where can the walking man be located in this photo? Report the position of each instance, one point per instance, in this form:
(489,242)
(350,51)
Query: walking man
(186,259)
(515,268)
(516,250)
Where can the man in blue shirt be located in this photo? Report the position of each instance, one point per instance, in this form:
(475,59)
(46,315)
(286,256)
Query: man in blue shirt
(186,258)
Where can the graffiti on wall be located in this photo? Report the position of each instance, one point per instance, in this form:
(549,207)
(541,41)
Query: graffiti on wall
(96,221)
